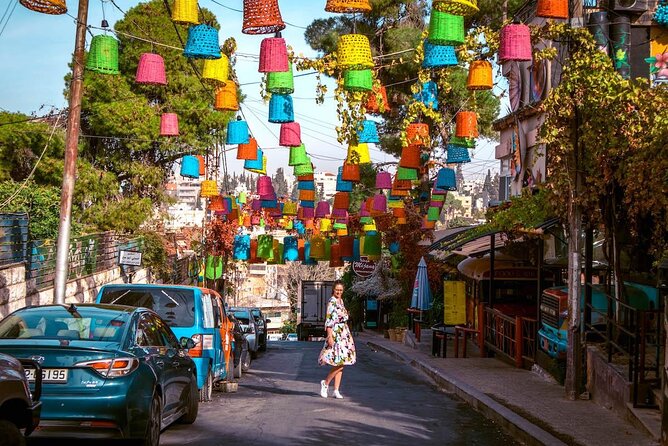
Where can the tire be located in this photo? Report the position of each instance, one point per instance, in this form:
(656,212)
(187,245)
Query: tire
(206,392)
(246,361)
(153,424)
(193,404)
(238,369)
(11,434)
(263,346)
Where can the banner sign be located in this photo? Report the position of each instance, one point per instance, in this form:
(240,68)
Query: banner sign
(454,299)
(364,268)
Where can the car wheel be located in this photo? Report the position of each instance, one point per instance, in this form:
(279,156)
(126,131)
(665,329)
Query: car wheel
(246,361)
(153,424)
(193,404)
(238,370)
(10,433)
(263,346)
(206,391)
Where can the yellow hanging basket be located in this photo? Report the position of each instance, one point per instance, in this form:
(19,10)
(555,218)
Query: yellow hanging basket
(209,188)
(54,7)
(354,52)
(347,6)
(216,71)
(480,76)
(456,7)
(186,12)
(358,154)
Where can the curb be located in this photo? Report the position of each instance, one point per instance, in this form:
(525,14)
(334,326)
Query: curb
(517,426)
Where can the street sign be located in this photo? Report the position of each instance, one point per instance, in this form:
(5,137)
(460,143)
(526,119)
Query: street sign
(130,258)
(364,267)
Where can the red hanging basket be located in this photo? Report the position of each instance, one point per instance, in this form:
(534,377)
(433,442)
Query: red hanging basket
(54,7)
(262,17)
(341,200)
(350,172)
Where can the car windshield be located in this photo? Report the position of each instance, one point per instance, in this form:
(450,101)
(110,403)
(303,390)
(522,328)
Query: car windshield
(175,306)
(242,316)
(56,322)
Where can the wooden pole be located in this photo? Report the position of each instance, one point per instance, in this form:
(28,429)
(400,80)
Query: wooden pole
(71,152)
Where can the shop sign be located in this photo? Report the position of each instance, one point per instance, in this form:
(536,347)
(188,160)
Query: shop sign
(364,267)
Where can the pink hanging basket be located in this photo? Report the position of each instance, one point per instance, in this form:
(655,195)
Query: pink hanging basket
(515,43)
(273,55)
(291,135)
(264,186)
(383,180)
(151,70)
(169,125)
(322,209)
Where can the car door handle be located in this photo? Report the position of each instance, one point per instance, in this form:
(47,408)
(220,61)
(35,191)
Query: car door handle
(176,364)
(160,362)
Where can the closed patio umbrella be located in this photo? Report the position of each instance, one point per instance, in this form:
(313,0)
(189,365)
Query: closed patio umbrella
(421,299)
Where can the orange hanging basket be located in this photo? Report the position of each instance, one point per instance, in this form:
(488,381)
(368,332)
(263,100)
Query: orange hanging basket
(377,100)
(350,172)
(347,6)
(262,17)
(202,165)
(401,185)
(555,9)
(341,200)
(247,151)
(54,7)
(216,203)
(467,124)
(410,157)
(306,195)
(418,134)
(480,76)
(226,98)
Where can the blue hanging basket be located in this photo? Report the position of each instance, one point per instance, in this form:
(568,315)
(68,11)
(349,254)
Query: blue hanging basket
(661,14)
(237,133)
(307,204)
(307,255)
(342,185)
(446,179)
(299,227)
(268,204)
(241,248)
(428,95)
(190,167)
(457,154)
(588,4)
(290,249)
(202,43)
(306,185)
(437,56)
(255,164)
(281,109)
(368,133)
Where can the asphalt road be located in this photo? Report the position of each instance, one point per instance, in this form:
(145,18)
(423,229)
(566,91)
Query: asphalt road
(385,403)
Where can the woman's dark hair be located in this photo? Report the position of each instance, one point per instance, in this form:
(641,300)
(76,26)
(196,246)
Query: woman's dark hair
(339,282)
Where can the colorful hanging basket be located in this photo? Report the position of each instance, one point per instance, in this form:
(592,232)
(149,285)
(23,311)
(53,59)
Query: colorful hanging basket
(354,52)
(256,163)
(54,7)
(410,157)
(247,151)
(273,55)
(281,109)
(103,55)
(190,167)
(554,9)
(368,133)
(458,155)
(480,76)
(303,169)
(446,179)
(446,29)
(459,7)
(291,135)
(357,80)
(151,70)
(428,95)
(298,156)
(439,56)
(237,132)
(262,17)
(342,185)
(358,154)
(404,173)
(226,98)
(377,100)
(418,134)
(209,188)
(467,124)
(463,142)
(169,124)
(350,172)
(216,71)
(401,184)
(202,43)
(185,12)
(347,6)
(515,43)
(281,82)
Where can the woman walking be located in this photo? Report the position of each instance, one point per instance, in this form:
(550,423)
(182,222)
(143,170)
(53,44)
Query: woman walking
(339,348)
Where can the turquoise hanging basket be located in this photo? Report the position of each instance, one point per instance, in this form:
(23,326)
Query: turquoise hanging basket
(439,56)
(256,164)
(428,95)
(202,43)
(368,133)
(290,249)
(281,109)
(241,248)
(446,179)
(237,132)
(306,185)
(190,167)
(457,155)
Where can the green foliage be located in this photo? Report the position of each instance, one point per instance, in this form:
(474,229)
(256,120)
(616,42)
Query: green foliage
(290,326)
(154,254)
(522,212)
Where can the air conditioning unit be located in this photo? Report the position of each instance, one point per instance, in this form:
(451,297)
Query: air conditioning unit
(636,6)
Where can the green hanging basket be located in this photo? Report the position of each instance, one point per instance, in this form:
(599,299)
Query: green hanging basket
(304,169)
(469,143)
(281,82)
(358,80)
(103,55)
(298,156)
(405,173)
(372,245)
(433,213)
(446,29)
(265,246)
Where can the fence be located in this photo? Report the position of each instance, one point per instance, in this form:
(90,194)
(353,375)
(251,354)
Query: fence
(13,238)
(511,336)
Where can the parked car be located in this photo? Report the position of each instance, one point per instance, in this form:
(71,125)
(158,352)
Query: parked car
(292,337)
(242,357)
(197,313)
(261,323)
(19,407)
(247,321)
(275,337)
(108,371)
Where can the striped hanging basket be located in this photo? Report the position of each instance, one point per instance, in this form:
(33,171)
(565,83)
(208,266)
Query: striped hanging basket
(216,71)
(103,55)
(185,12)
(554,9)
(480,76)
(446,29)
(348,6)
(354,52)
(357,80)
(262,17)
(53,7)
(458,7)
(226,98)
(209,188)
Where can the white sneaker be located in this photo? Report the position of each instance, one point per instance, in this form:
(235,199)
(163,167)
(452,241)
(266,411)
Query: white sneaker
(337,395)
(323,389)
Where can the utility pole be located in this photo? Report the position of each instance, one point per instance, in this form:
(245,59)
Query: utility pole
(71,151)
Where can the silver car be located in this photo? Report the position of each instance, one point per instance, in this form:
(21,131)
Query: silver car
(249,327)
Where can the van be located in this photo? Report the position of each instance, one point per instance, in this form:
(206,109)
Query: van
(193,312)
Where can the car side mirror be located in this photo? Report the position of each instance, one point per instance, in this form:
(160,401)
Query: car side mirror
(187,343)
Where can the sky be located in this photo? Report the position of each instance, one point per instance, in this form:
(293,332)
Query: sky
(37,48)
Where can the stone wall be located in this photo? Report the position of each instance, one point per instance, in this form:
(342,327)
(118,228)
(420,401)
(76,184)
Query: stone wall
(16,292)
(607,386)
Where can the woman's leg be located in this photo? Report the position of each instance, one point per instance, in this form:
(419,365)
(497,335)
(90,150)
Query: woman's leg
(337,378)
(333,372)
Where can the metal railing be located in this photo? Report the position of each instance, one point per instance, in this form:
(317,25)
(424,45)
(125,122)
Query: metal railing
(511,336)
(13,238)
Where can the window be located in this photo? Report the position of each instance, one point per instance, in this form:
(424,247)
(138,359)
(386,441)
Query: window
(148,333)
(176,307)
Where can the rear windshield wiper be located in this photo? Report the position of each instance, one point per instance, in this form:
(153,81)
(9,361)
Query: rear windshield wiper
(170,297)
(119,297)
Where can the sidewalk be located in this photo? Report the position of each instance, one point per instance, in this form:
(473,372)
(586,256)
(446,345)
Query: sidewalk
(530,407)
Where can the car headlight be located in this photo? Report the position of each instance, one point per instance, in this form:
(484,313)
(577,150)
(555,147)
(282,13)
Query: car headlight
(112,368)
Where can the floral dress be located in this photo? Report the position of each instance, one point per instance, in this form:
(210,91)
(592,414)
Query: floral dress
(343,350)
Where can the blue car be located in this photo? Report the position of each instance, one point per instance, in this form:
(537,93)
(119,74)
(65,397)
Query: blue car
(193,312)
(108,371)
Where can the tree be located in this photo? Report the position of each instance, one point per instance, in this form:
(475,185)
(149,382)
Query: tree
(280,183)
(294,272)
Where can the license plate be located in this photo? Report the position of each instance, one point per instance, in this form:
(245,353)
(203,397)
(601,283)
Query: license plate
(49,375)
(546,345)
